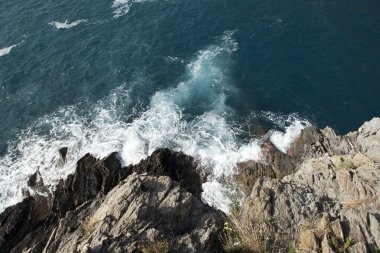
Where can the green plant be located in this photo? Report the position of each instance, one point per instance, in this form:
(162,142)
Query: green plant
(347,244)
(340,246)
(377,250)
(250,202)
(230,239)
(334,242)
(291,248)
(160,246)
(348,165)
(235,205)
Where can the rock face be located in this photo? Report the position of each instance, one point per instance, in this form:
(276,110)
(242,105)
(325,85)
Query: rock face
(139,209)
(276,164)
(104,207)
(331,203)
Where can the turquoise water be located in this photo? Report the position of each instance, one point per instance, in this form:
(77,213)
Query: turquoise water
(205,77)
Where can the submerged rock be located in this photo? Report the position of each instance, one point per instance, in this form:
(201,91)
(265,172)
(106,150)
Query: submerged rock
(63,153)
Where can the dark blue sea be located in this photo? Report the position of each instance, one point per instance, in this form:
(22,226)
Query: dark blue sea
(208,78)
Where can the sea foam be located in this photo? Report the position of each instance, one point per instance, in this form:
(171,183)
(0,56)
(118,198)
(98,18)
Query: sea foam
(291,126)
(122,7)
(7,50)
(191,117)
(67,24)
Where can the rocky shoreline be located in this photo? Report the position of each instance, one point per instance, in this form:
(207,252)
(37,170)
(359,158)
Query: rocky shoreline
(321,196)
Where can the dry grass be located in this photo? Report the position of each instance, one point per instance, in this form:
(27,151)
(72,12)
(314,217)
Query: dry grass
(252,232)
(89,225)
(160,246)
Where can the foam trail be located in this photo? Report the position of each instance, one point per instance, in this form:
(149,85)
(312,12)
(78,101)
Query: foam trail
(7,50)
(67,24)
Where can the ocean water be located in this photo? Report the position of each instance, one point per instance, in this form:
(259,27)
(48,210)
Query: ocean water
(208,78)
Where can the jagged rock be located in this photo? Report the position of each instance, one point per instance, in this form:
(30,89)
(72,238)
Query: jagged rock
(250,171)
(323,194)
(369,139)
(148,206)
(277,164)
(19,221)
(91,177)
(326,245)
(142,209)
(307,241)
(35,180)
(374,226)
(180,167)
(334,185)
(63,153)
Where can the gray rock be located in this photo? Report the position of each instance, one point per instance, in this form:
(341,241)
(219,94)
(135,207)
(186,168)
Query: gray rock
(333,196)
(104,207)
(63,153)
(138,210)
(369,139)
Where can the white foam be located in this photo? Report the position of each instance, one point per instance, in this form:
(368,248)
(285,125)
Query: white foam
(174,59)
(7,50)
(122,7)
(291,126)
(215,194)
(67,24)
(99,132)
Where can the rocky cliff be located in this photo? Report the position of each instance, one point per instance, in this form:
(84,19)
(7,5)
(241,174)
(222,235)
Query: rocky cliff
(154,206)
(321,196)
